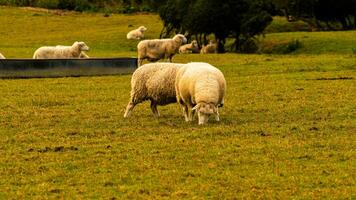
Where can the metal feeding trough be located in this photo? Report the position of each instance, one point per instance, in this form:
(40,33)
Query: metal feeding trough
(41,68)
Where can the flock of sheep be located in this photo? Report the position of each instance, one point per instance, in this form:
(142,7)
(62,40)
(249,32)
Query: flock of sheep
(156,49)
(198,87)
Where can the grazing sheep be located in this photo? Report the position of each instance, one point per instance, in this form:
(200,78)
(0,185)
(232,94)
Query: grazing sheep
(154,82)
(212,47)
(136,34)
(59,51)
(189,48)
(2,57)
(200,87)
(156,49)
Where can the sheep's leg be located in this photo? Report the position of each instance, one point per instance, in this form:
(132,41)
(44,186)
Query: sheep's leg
(191,113)
(217,115)
(129,108)
(139,62)
(169,58)
(154,109)
(186,113)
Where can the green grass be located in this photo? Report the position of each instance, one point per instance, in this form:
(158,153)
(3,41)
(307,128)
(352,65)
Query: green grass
(287,130)
(340,42)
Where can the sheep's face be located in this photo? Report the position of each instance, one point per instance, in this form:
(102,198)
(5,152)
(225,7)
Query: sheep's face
(142,28)
(194,44)
(180,38)
(204,110)
(82,46)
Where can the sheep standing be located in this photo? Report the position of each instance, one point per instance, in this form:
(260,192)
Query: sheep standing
(156,49)
(154,82)
(200,87)
(59,51)
(189,48)
(2,57)
(212,47)
(82,54)
(136,34)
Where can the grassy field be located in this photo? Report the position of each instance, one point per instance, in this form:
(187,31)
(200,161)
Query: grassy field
(287,131)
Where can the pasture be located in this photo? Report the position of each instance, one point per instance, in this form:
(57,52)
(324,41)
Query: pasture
(287,129)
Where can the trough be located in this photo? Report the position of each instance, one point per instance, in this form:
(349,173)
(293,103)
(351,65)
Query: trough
(41,68)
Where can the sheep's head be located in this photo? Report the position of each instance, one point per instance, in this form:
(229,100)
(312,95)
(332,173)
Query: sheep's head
(180,38)
(142,29)
(204,110)
(194,44)
(82,46)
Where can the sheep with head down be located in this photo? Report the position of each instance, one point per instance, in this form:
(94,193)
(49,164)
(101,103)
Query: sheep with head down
(136,34)
(156,49)
(59,51)
(200,87)
(154,82)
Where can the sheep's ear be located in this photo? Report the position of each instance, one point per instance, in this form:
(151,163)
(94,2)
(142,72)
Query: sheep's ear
(196,107)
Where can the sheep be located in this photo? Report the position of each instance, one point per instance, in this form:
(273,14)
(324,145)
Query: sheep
(209,48)
(82,54)
(189,48)
(154,82)
(136,34)
(154,50)
(2,57)
(59,51)
(200,87)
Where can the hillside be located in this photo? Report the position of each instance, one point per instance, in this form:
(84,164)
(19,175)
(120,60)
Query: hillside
(287,128)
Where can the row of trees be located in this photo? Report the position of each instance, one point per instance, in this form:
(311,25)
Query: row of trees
(319,12)
(240,20)
(237,19)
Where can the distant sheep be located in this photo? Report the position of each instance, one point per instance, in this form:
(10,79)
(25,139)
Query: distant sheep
(200,87)
(154,82)
(59,51)
(136,34)
(212,47)
(189,48)
(82,54)
(154,50)
(2,57)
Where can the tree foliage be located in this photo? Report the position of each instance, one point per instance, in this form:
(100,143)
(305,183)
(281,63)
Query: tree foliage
(237,19)
(327,11)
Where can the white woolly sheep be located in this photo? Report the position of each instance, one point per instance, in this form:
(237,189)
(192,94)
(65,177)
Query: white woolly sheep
(154,82)
(82,54)
(59,51)
(200,87)
(2,57)
(154,50)
(189,48)
(212,47)
(136,34)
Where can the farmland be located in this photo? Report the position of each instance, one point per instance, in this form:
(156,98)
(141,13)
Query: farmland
(287,129)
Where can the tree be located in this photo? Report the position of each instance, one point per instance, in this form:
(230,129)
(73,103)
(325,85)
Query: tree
(341,11)
(238,19)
